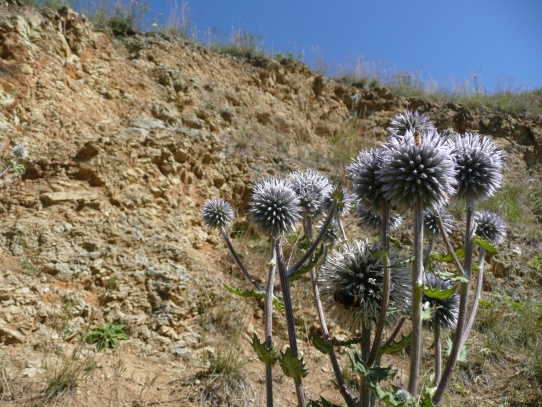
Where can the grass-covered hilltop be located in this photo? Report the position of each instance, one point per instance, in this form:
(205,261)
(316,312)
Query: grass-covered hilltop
(190,223)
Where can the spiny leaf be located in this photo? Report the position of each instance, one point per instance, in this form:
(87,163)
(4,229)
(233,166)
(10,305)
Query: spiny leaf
(256,294)
(374,374)
(459,252)
(426,400)
(485,244)
(292,366)
(265,355)
(347,342)
(439,293)
(395,346)
(320,344)
(452,277)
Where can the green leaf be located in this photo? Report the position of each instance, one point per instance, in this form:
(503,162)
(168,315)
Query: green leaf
(347,342)
(292,366)
(484,303)
(255,294)
(396,242)
(379,254)
(320,344)
(463,353)
(459,252)
(452,277)
(427,396)
(374,374)
(265,355)
(395,346)
(485,244)
(402,262)
(439,293)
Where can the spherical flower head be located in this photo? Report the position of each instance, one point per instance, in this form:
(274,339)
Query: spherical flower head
(409,122)
(275,208)
(366,181)
(430,223)
(413,172)
(444,312)
(312,188)
(19,151)
(478,164)
(372,220)
(351,286)
(344,206)
(490,227)
(217,214)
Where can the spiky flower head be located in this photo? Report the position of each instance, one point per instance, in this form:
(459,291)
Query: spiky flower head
(312,188)
(490,227)
(408,122)
(19,151)
(444,312)
(366,181)
(417,172)
(430,223)
(351,285)
(372,220)
(344,206)
(217,214)
(478,164)
(275,208)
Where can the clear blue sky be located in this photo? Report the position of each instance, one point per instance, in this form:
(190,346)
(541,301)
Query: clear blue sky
(499,41)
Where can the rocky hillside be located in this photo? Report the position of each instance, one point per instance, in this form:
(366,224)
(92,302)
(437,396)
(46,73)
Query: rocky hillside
(126,139)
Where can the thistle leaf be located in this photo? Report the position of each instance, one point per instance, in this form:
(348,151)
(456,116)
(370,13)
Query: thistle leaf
(292,366)
(373,375)
(347,342)
(426,400)
(452,277)
(485,244)
(265,355)
(320,344)
(439,293)
(396,346)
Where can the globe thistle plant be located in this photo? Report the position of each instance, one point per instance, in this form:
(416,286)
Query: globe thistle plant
(19,151)
(408,122)
(217,214)
(413,172)
(490,226)
(351,286)
(478,165)
(275,208)
(366,180)
(372,220)
(345,205)
(312,188)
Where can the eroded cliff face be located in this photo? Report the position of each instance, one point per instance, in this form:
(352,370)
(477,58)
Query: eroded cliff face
(127,139)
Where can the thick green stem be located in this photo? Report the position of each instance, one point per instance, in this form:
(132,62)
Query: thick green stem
(417,287)
(269,327)
(289,313)
(459,337)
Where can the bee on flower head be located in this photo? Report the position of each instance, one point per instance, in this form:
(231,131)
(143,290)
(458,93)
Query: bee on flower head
(417,137)
(346,297)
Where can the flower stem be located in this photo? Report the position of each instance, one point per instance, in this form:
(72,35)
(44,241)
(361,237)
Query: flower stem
(238,260)
(288,309)
(438,351)
(459,336)
(364,391)
(269,328)
(417,287)
(477,295)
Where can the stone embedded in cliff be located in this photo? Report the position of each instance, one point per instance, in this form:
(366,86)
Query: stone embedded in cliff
(10,336)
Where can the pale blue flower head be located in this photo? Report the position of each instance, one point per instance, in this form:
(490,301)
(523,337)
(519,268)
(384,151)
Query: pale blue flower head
(409,121)
(217,214)
(366,180)
(490,227)
(312,189)
(275,208)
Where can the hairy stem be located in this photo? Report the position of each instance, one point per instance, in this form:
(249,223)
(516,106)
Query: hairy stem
(288,309)
(238,260)
(269,327)
(417,287)
(477,295)
(364,391)
(459,337)
(438,351)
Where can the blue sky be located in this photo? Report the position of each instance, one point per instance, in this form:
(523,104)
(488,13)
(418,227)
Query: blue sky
(446,41)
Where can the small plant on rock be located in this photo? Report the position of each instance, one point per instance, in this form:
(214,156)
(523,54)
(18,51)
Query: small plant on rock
(107,336)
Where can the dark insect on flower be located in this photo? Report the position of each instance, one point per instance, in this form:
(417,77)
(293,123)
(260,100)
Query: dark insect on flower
(444,312)
(490,226)
(478,166)
(217,214)
(366,182)
(312,189)
(345,297)
(275,208)
(409,122)
(351,285)
(411,173)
